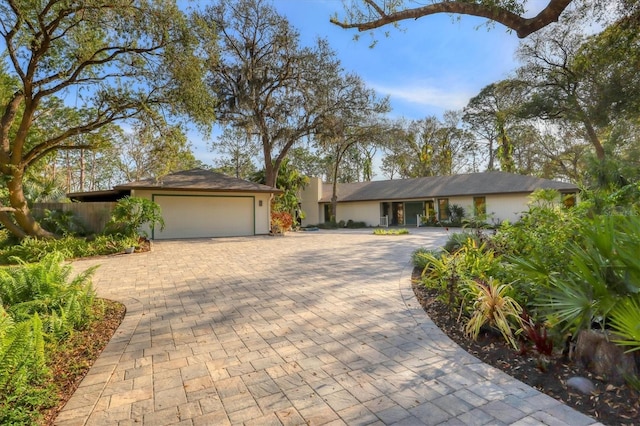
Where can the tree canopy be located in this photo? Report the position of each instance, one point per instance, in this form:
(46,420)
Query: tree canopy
(110,60)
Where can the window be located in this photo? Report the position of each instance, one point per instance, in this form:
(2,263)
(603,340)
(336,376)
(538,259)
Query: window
(569,199)
(479,206)
(443,209)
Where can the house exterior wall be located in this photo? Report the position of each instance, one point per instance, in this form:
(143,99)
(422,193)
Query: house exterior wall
(501,208)
(309,202)
(364,211)
(498,207)
(237,210)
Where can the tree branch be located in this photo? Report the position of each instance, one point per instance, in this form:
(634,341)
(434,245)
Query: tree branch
(522,26)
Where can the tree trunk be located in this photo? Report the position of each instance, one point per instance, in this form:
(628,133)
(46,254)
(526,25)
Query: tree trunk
(594,139)
(270,169)
(23,217)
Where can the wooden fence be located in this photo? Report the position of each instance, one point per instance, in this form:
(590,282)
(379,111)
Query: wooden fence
(93,216)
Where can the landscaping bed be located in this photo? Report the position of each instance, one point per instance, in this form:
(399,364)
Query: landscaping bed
(611,405)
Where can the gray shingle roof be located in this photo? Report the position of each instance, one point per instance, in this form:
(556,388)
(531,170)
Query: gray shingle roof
(199,180)
(442,186)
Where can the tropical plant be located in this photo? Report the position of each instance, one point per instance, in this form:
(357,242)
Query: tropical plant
(419,258)
(281,222)
(131,214)
(600,272)
(625,321)
(536,333)
(493,305)
(62,223)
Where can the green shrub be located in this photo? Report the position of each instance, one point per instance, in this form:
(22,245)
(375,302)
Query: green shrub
(32,250)
(420,257)
(62,223)
(355,225)
(130,214)
(457,240)
(600,272)
(384,231)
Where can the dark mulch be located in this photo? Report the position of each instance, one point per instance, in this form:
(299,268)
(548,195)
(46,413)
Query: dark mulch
(612,405)
(74,359)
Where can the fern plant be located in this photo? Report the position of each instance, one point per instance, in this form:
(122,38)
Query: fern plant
(45,288)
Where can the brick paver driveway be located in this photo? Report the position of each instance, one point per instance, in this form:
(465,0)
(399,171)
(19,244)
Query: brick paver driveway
(310,328)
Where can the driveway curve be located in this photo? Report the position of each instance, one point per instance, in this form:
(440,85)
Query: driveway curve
(317,328)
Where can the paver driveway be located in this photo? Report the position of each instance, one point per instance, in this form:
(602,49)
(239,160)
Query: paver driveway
(310,328)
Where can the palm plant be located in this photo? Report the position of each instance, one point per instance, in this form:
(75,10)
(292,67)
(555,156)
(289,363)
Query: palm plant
(600,273)
(625,321)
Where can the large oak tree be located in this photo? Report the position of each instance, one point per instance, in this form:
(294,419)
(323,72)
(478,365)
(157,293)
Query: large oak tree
(110,60)
(270,86)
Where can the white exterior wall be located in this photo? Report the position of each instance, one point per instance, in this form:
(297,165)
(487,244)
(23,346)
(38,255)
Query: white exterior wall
(507,207)
(500,207)
(241,207)
(365,211)
(309,202)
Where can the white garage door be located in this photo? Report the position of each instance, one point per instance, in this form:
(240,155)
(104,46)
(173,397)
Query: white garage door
(205,216)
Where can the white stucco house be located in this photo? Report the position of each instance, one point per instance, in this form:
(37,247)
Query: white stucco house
(499,195)
(200,203)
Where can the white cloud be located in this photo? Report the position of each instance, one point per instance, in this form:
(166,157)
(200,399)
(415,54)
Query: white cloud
(425,94)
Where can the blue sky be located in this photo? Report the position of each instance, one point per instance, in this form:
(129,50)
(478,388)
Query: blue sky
(436,63)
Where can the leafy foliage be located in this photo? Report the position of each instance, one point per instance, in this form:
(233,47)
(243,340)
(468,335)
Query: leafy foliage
(44,288)
(62,223)
(33,250)
(625,321)
(130,214)
(281,222)
(382,231)
(493,305)
(43,305)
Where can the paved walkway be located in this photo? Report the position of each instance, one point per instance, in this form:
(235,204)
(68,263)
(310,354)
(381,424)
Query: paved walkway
(311,328)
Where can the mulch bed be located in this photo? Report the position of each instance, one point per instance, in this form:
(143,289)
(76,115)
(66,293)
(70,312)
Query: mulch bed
(72,363)
(611,405)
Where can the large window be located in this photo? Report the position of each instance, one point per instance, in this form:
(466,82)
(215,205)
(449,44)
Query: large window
(443,209)
(479,206)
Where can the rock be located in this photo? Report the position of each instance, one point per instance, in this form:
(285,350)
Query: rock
(582,384)
(595,351)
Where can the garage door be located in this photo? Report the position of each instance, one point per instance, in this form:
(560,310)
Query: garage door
(205,216)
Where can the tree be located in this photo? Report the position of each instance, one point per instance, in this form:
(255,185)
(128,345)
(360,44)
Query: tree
(238,150)
(153,149)
(269,86)
(354,118)
(493,116)
(370,14)
(579,79)
(429,147)
(117,59)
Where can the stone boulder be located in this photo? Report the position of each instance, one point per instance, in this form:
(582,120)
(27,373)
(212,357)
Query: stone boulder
(595,351)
